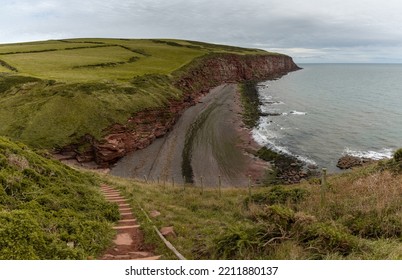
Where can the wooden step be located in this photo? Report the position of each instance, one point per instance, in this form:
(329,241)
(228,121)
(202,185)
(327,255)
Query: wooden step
(128,221)
(118,200)
(153,258)
(140,254)
(110,192)
(114,197)
(126,227)
(124,205)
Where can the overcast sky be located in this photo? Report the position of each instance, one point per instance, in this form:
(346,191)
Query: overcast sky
(308,30)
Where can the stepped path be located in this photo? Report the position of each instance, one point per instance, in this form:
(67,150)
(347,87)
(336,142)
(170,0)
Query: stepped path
(128,243)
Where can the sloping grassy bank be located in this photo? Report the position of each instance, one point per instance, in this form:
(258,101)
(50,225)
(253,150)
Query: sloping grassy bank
(48,210)
(358,217)
(53,93)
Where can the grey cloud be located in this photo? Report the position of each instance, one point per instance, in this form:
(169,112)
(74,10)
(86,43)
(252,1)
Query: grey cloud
(321,28)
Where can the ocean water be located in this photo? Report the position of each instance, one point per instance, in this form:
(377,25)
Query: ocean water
(325,111)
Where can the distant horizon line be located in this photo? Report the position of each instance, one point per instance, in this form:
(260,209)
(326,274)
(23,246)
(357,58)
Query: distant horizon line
(384,63)
(295,59)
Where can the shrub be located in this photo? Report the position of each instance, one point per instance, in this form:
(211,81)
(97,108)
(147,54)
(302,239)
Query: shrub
(373,225)
(238,242)
(398,156)
(328,237)
(279,195)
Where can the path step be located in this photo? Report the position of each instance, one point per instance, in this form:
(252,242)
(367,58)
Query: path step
(118,200)
(112,195)
(127,231)
(127,220)
(124,204)
(126,227)
(140,254)
(153,258)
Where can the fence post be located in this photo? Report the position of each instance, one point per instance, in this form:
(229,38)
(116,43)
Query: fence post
(184,183)
(202,186)
(172,181)
(145,178)
(158,179)
(249,188)
(219,185)
(323,186)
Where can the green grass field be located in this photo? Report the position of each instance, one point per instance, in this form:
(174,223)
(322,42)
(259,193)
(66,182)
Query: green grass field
(101,60)
(54,92)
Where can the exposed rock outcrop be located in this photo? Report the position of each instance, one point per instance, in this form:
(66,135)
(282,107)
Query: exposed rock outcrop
(207,72)
(347,162)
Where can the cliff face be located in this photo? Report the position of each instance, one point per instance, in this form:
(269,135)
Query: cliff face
(208,72)
(218,69)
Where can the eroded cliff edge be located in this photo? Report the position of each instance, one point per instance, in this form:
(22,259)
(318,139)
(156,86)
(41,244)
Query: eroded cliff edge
(193,81)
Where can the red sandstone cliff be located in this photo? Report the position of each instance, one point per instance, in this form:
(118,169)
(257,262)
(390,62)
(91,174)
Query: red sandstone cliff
(206,73)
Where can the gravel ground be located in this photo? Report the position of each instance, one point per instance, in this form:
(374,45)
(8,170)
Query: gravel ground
(218,147)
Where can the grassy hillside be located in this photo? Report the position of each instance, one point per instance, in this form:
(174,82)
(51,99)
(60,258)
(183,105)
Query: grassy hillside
(54,92)
(360,217)
(48,210)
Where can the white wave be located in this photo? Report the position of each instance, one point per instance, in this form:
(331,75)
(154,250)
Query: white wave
(265,137)
(275,103)
(297,113)
(269,100)
(284,150)
(268,110)
(376,155)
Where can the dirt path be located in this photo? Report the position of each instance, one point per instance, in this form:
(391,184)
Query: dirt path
(128,243)
(217,146)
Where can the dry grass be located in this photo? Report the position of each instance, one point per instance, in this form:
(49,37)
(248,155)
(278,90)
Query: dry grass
(360,219)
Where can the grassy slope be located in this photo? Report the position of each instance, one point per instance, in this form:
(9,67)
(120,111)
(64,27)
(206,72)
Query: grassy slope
(85,85)
(45,205)
(361,218)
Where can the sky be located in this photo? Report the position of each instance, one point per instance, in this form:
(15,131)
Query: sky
(311,31)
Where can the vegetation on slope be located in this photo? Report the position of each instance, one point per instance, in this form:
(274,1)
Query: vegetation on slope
(251,103)
(48,210)
(55,92)
(359,218)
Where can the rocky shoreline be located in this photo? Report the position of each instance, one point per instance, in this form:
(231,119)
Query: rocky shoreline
(285,169)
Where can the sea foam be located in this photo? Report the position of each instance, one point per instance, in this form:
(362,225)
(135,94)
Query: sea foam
(376,155)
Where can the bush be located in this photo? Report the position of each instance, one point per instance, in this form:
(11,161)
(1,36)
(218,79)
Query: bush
(373,225)
(238,242)
(279,195)
(398,156)
(324,238)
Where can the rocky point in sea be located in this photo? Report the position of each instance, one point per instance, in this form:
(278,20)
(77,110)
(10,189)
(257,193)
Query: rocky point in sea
(348,161)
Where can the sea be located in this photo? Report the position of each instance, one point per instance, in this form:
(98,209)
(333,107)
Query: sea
(325,111)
